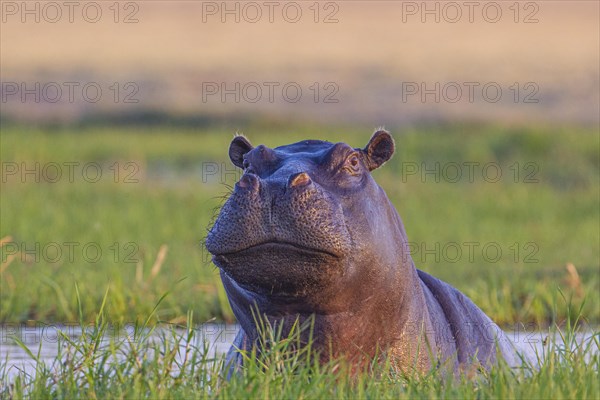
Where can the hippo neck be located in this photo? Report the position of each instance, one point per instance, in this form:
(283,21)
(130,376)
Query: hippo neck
(392,298)
(345,321)
(359,333)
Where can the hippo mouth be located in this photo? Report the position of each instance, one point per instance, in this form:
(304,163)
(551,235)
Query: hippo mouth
(271,246)
(280,268)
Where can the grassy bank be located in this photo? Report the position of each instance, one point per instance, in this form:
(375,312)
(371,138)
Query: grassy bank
(500,217)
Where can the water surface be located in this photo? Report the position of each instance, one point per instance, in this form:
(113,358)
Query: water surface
(45,342)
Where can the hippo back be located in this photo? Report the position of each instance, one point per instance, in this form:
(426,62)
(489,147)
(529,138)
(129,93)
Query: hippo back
(460,324)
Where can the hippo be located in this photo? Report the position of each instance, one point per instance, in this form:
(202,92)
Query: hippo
(308,233)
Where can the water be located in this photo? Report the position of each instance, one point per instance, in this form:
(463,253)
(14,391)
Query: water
(43,342)
(534,346)
(46,342)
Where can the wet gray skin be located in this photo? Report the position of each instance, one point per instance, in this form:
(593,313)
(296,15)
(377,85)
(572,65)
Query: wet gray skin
(308,232)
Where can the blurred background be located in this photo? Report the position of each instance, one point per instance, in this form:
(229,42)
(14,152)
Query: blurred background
(116,117)
(385,62)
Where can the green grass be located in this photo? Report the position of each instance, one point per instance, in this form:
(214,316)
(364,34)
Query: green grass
(551,222)
(170,363)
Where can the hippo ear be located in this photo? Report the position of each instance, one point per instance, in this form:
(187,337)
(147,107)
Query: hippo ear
(379,149)
(238,147)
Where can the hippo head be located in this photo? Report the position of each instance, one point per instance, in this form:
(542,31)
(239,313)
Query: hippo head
(308,234)
(306,224)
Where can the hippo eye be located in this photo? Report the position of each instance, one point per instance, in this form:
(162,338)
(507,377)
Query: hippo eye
(352,164)
(247,167)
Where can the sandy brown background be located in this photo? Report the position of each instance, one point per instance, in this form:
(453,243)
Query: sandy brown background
(369,53)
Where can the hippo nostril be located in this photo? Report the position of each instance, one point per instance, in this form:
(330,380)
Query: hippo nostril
(248,181)
(299,179)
